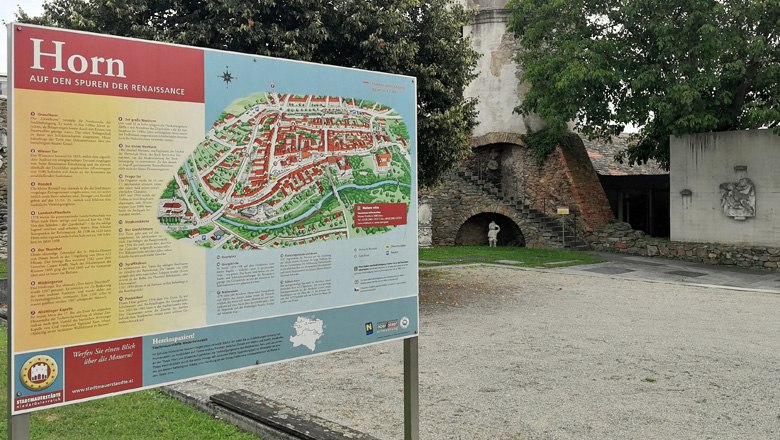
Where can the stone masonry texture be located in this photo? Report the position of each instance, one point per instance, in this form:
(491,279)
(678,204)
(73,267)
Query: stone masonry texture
(619,237)
(566,178)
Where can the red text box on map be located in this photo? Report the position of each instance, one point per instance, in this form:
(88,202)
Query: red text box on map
(102,368)
(372,215)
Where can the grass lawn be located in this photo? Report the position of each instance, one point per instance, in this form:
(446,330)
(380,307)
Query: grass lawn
(3,268)
(519,256)
(140,415)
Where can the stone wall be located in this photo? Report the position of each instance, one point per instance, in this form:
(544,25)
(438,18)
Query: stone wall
(455,201)
(619,237)
(566,178)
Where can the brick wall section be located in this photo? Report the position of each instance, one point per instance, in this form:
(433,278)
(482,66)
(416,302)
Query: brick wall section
(541,187)
(586,188)
(619,237)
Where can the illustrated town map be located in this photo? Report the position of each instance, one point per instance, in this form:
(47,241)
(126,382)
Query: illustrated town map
(279,170)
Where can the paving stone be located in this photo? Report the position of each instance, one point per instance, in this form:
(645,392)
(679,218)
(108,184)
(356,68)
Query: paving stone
(644,262)
(609,270)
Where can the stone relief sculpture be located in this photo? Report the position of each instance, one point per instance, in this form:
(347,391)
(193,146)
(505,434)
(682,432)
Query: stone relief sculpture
(738,199)
(492,163)
(493,167)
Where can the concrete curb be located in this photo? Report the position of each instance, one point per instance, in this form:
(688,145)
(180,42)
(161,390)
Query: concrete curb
(198,394)
(269,419)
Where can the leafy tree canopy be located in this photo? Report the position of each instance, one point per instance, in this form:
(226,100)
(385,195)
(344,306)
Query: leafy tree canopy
(420,38)
(669,66)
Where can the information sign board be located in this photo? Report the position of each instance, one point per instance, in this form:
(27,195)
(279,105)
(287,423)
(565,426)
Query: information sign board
(179,212)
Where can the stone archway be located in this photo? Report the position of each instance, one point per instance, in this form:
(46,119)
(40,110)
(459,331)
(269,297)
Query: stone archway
(473,232)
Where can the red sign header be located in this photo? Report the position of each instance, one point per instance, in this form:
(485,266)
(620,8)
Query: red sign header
(52,60)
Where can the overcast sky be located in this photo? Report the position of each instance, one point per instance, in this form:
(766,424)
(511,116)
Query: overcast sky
(7,10)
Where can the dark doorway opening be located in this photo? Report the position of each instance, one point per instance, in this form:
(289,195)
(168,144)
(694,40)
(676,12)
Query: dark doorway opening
(640,200)
(474,231)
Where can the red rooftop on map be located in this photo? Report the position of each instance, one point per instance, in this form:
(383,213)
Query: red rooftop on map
(278,170)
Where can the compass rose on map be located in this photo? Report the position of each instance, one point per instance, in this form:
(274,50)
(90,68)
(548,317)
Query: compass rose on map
(226,76)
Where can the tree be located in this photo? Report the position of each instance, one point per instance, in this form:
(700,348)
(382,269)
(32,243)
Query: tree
(668,66)
(420,38)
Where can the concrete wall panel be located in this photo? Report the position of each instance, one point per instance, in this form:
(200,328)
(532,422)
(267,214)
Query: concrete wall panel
(700,163)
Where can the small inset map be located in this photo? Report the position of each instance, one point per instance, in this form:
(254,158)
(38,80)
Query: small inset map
(278,170)
(307,332)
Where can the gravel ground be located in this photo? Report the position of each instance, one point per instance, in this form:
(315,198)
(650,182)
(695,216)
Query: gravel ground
(544,355)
